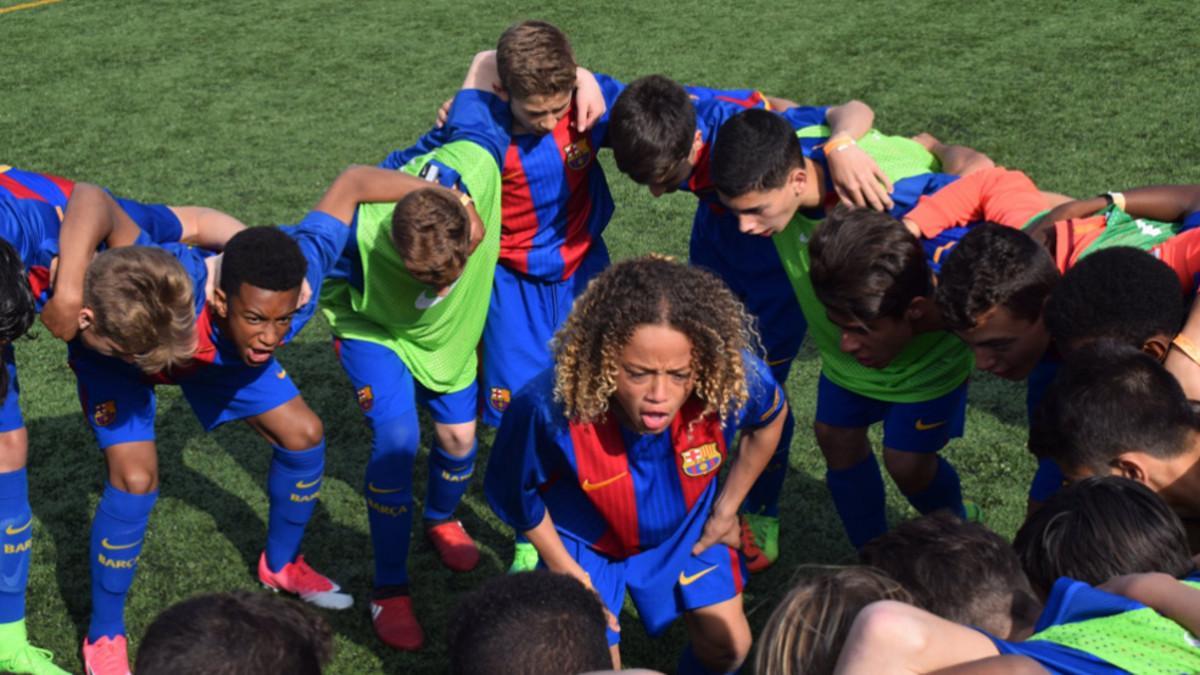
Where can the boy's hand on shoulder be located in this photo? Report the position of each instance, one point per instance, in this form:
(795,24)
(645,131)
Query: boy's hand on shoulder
(589,100)
(1147,588)
(443,113)
(857,178)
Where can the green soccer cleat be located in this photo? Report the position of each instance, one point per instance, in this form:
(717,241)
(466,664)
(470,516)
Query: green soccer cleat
(525,558)
(760,541)
(974,512)
(18,656)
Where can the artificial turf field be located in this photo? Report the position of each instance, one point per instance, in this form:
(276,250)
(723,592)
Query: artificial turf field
(253,107)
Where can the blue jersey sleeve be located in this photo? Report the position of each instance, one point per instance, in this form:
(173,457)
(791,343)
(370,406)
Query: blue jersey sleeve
(475,115)
(806,116)
(908,191)
(321,238)
(192,260)
(766,398)
(430,141)
(515,469)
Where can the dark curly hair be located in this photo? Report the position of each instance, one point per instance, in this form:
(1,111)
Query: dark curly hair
(652,290)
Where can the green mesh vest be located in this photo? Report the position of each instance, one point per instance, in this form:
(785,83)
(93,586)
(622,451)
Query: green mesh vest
(435,337)
(933,364)
(1122,229)
(1141,641)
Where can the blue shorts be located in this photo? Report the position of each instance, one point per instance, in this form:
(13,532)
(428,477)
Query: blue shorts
(158,221)
(386,390)
(926,426)
(119,402)
(667,580)
(751,267)
(10,412)
(522,318)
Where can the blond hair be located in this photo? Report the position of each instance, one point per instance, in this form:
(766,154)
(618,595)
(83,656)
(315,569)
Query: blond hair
(534,58)
(807,631)
(143,302)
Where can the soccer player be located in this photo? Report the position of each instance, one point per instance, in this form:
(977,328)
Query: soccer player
(608,461)
(1114,410)
(1097,529)
(662,136)
(222,354)
(36,211)
(774,190)
(407,304)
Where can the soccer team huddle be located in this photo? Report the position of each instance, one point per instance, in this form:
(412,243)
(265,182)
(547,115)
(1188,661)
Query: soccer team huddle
(643,431)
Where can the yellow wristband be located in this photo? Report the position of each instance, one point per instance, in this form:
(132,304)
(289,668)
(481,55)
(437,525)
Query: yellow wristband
(1184,344)
(465,200)
(1118,199)
(839,143)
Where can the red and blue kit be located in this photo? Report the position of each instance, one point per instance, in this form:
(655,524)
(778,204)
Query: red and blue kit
(118,399)
(628,507)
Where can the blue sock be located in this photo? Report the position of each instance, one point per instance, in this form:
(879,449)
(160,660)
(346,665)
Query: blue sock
(449,477)
(859,499)
(763,498)
(294,485)
(690,665)
(117,534)
(388,491)
(16,540)
(943,492)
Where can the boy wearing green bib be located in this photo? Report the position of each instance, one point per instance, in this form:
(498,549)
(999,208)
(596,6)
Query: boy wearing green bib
(407,309)
(763,177)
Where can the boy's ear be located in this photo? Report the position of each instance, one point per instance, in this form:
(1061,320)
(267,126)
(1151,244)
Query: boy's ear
(87,318)
(220,302)
(1157,346)
(918,308)
(697,146)
(798,179)
(1132,465)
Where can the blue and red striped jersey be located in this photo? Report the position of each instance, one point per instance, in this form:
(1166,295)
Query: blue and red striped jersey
(602,484)
(31,211)
(555,201)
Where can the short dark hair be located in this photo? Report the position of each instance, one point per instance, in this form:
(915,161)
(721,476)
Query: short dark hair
(651,128)
(17,305)
(1122,294)
(534,58)
(1099,528)
(1108,399)
(867,265)
(994,266)
(958,570)
(755,150)
(263,257)
(527,624)
(242,632)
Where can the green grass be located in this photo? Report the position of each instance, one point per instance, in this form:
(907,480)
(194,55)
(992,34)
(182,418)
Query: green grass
(254,106)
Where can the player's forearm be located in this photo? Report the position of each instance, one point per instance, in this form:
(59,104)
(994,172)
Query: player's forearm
(892,637)
(853,119)
(483,73)
(1183,363)
(92,217)
(361,183)
(1164,594)
(550,548)
(754,453)
(1006,664)
(777,104)
(1168,203)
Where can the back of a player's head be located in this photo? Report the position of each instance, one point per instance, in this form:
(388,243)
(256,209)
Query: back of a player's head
(528,624)
(17,304)
(534,58)
(1099,528)
(142,301)
(994,266)
(263,257)
(1106,400)
(958,570)
(866,265)
(651,128)
(432,232)
(652,291)
(1121,294)
(806,632)
(237,633)
(754,152)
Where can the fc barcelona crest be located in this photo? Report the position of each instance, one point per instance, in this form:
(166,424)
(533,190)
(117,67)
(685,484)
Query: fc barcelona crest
(702,460)
(104,413)
(366,398)
(579,154)
(500,398)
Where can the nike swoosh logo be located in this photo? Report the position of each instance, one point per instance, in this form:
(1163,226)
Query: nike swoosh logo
(589,486)
(425,300)
(382,491)
(301,485)
(685,580)
(116,547)
(921,426)
(10,531)
(281,374)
